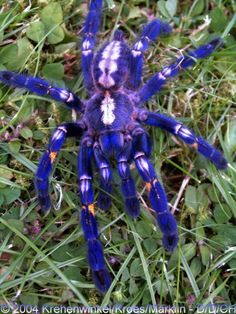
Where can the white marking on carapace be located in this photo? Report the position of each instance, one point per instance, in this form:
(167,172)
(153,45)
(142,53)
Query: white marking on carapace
(107,108)
(108,64)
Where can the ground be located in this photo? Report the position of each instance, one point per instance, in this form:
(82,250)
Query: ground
(43,259)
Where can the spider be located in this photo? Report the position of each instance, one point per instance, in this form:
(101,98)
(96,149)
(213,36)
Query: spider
(111,127)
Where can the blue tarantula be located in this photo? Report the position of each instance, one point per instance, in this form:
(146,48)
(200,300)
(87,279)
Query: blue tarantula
(111,126)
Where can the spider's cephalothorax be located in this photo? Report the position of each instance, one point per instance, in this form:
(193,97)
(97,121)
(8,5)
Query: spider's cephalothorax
(112,126)
(111,66)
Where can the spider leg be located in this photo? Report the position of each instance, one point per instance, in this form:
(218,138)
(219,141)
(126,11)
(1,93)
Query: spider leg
(128,188)
(42,88)
(91,27)
(45,166)
(95,252)
(150,32)
(178,129)
(157,196)
(156,82)
(104,198)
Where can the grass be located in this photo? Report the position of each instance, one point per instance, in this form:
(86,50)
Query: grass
(43,259)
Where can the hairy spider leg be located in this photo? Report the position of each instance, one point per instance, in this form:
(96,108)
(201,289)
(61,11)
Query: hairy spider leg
(104,196)
(178,129)
(128,188)
(95,251)
(156,82)
(157,196)
(91,27)
(150,33)
(45,166)
(42,88)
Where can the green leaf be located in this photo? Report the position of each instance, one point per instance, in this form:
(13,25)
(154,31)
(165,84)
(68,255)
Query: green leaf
(150,245)
(218,20)
(134,12)
(25,112)
(189,251)
(56,36)
(191,198)
(24,49)
(171,7)
(15,55)
(143,229)
(6,173)
(1,36)
(64,253)
(205,254)
(202,197)
(1,198)
(29,299)
(125,275)
(195,266)
(222,213)
(10,194)
(17,224)
(197,7)
(52,14)
(136,269)
(162,7)
(133,288)
(36,31)
(38,135)
(65,48)
(73,273)
(161,287)
(26,133)
(200,233)
(8,54)
(230,137)
(14,146)
(53,71)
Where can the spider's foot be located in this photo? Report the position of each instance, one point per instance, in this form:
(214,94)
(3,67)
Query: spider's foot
(213,154)
(96,261)
(222,163)
(104,201)
(41,187)
(102,280)
(45,204)
(168,226)
(132,206)
(170,241)
(217,42)
(207,49)
(167,223)
(155,28)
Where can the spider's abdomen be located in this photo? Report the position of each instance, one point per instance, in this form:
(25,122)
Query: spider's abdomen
(109,111)
(110,67)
